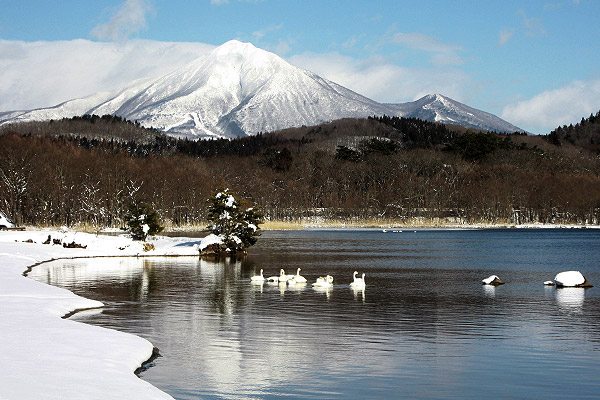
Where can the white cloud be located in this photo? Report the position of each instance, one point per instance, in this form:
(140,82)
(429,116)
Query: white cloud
(350,43)
(383,81)
(282,47)
(43,74)
(262,32)
(550,109)
(532,26)
(441,54)
(505,36)
(129,19)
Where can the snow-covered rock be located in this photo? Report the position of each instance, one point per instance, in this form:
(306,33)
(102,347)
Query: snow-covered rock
(492,280)
(238,89)
(571,279)
(210,240)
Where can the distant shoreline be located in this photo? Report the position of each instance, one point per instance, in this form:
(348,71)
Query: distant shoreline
(391,225)
(200,229)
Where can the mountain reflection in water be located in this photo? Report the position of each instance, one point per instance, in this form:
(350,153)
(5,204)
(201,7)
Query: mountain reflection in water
(423,327)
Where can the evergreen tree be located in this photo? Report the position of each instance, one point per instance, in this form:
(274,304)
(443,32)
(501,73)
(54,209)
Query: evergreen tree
(238,227)
(381,146)
(348,154)
(142,221)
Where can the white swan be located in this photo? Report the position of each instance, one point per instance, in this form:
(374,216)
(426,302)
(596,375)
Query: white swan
(274,278)
(358,283)
(324,282)
(282,276)
(297,278)
(258,278)
(290,277)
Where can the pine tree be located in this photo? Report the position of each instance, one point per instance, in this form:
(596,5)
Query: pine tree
(238,227)
(142,221)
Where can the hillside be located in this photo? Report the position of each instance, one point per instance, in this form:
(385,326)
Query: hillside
(391,170)
(584,134)
(91,127)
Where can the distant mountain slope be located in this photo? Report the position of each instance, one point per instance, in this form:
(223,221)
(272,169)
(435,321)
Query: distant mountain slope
(439,108)
(71,108)
(239,90)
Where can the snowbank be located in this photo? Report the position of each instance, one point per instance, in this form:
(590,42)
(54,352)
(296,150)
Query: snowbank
(43,356)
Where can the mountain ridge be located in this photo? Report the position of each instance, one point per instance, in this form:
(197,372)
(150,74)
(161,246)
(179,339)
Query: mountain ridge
(238,90)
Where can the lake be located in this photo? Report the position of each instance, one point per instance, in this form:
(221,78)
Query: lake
(424,327)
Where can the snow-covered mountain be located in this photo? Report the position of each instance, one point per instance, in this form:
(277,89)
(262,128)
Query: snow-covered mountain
(438,108)
(239,90)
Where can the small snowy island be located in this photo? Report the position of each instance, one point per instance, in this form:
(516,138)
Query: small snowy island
(492,280)
(571,279)
(45,356)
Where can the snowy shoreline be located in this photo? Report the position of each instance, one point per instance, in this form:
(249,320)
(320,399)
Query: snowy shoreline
(47,356)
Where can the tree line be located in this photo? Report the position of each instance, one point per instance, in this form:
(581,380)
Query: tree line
(357,170)
(584,134)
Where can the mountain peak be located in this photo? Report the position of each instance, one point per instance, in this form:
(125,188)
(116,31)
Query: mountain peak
(431,97)
(439,108)
(234,47)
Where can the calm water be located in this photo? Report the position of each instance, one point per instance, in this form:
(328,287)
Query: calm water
(424,327)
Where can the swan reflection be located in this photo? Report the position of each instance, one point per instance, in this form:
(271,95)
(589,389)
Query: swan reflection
(296,286)
(327,290)
(282,287)
(257,286)
(357,292)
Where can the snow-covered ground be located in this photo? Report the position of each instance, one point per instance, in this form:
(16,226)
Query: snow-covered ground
(43,356)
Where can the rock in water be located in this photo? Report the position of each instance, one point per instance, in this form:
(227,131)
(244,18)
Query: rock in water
(571,279)
(492,280)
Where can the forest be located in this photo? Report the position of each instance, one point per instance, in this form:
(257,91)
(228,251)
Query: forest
(86,171)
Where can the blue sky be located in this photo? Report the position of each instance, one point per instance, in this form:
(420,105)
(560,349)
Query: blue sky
(534,63)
